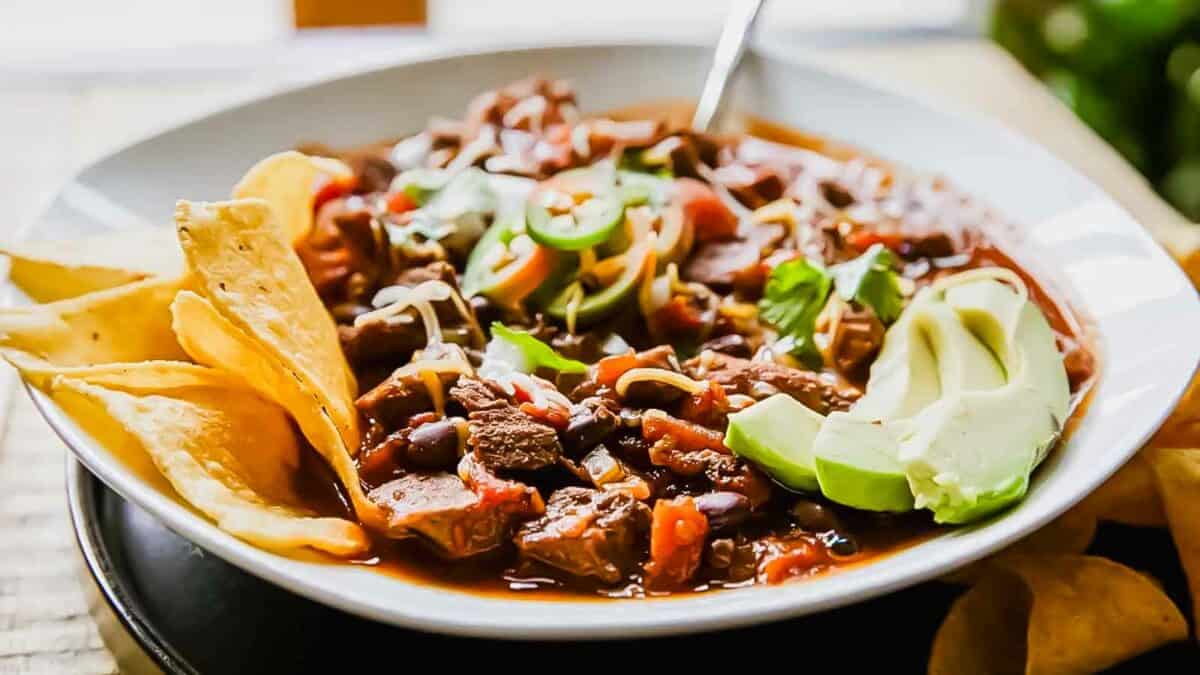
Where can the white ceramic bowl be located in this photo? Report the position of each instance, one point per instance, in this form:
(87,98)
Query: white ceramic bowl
(1145,311)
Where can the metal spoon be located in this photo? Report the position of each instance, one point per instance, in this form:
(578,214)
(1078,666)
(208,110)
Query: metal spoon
(731,45)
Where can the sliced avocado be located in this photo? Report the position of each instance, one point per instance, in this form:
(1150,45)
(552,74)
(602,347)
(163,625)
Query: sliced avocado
(856,463)
(1001,319)
(903,379)
(963,362)
(777,435)
(971,453)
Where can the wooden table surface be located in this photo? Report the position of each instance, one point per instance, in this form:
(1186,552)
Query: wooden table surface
(51,124)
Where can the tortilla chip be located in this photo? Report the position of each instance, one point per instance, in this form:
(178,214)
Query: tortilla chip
(289,182)
(1129,497)
(261,320)
(1178,474)
(1072,532)
(1084,614)
(124,324)
(228,453)
(139,376)
(984,632)
(57,270)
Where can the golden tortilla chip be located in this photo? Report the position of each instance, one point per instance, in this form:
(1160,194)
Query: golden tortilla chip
(138,376)
(1084,614)
(1129,497)
(1072,532)
(289,182)
(57,270)
(984,632)
(260,319)
(124,324)
(1178,475)
(228,453)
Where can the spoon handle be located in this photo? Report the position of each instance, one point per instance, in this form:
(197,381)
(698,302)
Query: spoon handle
(730,47)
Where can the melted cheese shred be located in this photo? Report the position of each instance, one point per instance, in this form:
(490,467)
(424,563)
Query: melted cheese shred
(994,273)
(661,376)
(430,372)
(392,300)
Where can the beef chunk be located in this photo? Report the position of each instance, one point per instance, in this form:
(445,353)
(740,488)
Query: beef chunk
(724,471)
(441,509)
(592,420)
(503,437)
(371,164)
(395,399)
(393,342)
(723,263)
(380,341)
(856,341)
(345,254)
(458,518)
(587,533)
(760,379)
(475,394)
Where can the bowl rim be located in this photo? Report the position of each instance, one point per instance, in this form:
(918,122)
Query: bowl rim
(196,529)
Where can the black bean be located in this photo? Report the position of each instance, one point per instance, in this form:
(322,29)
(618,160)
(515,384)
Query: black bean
(814,517)
(433,445)
(732,344)
(723,509)
(841,544)
(591,422)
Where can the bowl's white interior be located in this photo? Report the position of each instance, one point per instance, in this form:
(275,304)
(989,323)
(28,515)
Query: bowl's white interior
(1145,311)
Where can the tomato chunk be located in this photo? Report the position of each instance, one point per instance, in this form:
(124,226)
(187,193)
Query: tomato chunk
(677,534)
(702,205)
(781,560)
(400,202)
(688,437)
(332,188)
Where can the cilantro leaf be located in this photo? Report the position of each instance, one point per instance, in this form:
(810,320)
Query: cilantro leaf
(870,279)
(795,294)
(532,352)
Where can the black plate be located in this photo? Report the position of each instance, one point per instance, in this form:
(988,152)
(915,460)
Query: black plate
(168,604)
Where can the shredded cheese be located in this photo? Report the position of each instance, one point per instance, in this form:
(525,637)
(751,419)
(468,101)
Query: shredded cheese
(740,401)
(587,260)
(646,295)
(433,384)
(996,273)
(573,306)
(464,432)
(392,300)
(661,375)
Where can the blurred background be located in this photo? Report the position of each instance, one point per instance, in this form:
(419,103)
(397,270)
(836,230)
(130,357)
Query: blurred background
(1130,69)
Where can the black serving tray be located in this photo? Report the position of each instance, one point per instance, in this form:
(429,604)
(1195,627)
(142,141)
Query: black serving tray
(162,604)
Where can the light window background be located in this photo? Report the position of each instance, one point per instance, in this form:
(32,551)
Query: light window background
(106,35)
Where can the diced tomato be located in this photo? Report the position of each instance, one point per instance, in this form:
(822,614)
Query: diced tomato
(610,368)
(332,188)
(701,205)
(865,239)
(688,437)
(677,534)
(781,560)
(709,408)
(553,415)
(400,202)
(678,316)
